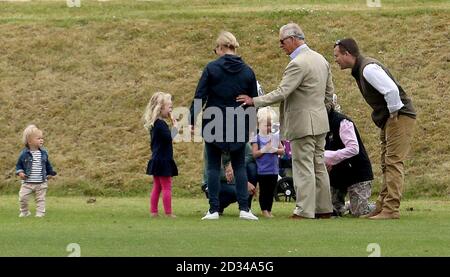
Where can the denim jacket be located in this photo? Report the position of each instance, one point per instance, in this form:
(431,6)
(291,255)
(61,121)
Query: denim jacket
(26,161)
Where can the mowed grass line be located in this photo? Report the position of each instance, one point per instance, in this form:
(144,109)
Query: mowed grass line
(122,227)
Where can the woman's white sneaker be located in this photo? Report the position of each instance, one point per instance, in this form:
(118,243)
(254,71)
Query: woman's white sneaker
(209,215)
(247,215)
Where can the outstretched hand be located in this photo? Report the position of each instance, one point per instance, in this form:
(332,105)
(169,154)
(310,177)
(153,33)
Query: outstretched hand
(251,189)
(245,100)
(173,120)
(394,116)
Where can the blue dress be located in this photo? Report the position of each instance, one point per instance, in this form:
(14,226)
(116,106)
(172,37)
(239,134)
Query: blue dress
(161,162)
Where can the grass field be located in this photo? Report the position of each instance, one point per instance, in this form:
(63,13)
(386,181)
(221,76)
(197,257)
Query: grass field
(122,227)
(85,75)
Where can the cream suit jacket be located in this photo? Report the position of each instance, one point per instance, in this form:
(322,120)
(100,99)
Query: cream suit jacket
(305,89)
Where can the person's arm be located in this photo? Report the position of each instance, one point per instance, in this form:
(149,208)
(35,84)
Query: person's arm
(173,132)
(162,131)
(280,150)
(248,154)
(229,173)
(253,86)
(20,171)
(255,149)
(351,145)
(329,91)
(292,78)
(49,168)
(259,152)
(251,189)
(174,129)
(379,79)
(201,93)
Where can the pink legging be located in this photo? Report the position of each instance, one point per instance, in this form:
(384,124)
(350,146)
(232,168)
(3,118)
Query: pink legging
(163,183)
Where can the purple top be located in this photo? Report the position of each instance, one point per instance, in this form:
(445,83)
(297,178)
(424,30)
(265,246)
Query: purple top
(267,164)
(287,148)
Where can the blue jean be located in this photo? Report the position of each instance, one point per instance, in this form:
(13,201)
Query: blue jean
(214,155)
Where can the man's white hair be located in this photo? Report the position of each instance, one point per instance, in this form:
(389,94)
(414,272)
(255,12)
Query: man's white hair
(292,30)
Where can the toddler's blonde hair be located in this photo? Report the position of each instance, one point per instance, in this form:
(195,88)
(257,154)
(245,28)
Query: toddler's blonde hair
(154,106)
(265,114)
(30,131)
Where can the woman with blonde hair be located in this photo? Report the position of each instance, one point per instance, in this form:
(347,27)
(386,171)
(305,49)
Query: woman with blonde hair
(221,82)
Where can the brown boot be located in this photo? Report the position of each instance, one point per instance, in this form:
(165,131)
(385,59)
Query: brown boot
(323,215)
(295,216)
(386,215)
(377,210)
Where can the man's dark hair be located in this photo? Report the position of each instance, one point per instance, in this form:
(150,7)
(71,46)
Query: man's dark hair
(347,45)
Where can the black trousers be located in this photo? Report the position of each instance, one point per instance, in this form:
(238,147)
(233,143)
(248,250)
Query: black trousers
(267,184)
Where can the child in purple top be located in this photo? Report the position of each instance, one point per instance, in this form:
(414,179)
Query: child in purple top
(266,147)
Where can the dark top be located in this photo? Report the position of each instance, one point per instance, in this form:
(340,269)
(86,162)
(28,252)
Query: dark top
(221,82)
(352,170)
(374,98)
(161,162)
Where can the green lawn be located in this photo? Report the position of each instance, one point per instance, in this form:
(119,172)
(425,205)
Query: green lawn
(84,76)
(122,227)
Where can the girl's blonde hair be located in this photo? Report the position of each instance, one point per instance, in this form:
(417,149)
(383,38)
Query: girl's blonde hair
(228,40)
(154,106)
(265,114)
(30,131)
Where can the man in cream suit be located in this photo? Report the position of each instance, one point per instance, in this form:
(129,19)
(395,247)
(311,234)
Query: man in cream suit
(304,92)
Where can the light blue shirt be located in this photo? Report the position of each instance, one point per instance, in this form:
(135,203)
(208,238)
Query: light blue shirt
(296,51)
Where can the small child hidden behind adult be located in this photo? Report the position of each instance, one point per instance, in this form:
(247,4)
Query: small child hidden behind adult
(266,147)
(161,165)
(34,168)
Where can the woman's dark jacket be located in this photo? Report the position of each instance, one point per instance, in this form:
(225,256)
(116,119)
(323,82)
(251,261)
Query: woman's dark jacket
(221,82)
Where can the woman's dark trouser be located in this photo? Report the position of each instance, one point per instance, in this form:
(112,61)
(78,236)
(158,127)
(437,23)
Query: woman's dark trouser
(214,154)
(252,177)
(267,184)
(227,194)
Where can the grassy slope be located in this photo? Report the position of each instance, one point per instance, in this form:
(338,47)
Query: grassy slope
(122,227)
(85,75)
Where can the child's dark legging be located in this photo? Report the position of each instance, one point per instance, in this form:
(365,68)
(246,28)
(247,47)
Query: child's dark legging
(267,184)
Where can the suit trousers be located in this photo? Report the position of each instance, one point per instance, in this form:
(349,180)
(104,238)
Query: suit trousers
(311,181)
(395,140)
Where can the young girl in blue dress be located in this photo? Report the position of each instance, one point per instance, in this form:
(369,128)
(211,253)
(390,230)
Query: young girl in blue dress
(161,165)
